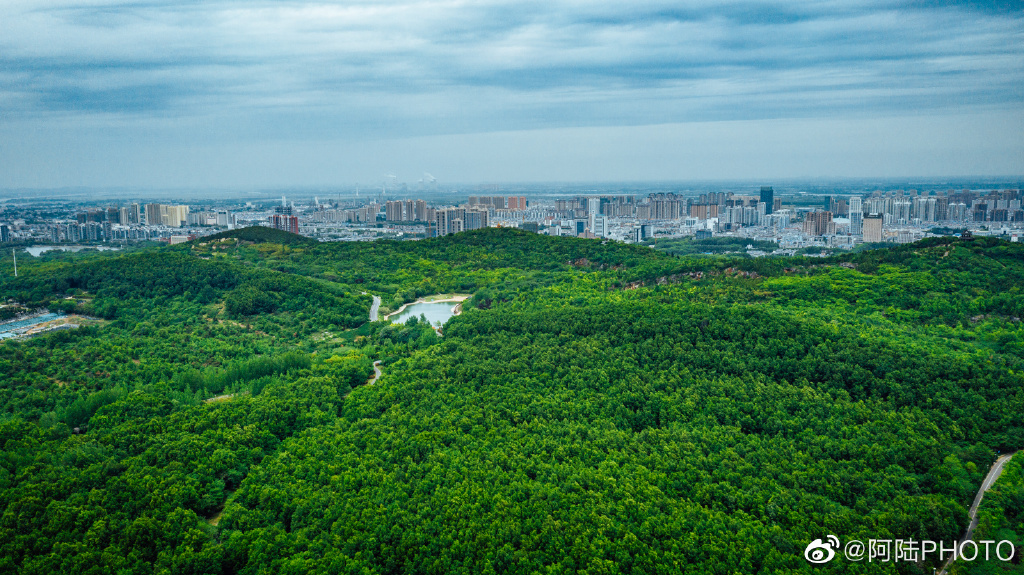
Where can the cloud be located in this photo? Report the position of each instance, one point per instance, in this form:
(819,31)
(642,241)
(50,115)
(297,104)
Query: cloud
(160,71)
(419,65)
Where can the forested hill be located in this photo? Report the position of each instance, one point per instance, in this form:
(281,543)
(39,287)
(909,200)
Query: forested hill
(260,235)
(596,408)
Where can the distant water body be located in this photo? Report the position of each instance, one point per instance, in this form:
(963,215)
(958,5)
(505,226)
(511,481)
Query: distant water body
(435,312)
(37,251)
(9,330)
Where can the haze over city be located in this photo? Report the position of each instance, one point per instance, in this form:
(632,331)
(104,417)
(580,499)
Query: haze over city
(167,94)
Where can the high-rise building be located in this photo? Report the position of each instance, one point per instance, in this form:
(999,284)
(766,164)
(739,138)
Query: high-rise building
(286,223)
(873,227)
(662,206)
(838,206)
(93,231)
(516,203)
(152,215)
(455,220)
(495,202)
(5,233)
(768,197)
(73,232)
(161,215)
(175,216)
(393,211)
(856,215)
(593,211)
(474,220)
(406,211)
(441,218)
(816,223)
(941,209)
(703,211)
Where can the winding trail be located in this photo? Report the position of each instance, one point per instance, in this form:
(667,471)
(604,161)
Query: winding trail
(374,307)
(986,484)
(376,373)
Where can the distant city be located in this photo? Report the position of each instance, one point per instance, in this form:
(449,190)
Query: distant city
(830,221)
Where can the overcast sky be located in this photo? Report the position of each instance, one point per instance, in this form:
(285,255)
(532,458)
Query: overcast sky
(165,93)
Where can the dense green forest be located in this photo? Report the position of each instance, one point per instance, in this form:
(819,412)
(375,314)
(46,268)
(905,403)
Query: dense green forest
(596,407)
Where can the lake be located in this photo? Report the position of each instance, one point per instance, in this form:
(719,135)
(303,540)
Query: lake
(435,312)
(15,328)
(40,250)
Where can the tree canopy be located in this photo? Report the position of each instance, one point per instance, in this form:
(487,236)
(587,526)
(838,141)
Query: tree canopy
(596,407)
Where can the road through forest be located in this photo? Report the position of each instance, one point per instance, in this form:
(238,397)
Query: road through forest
(986,484)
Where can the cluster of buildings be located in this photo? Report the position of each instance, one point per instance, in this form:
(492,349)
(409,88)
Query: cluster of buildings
(447,220)
(408,211)
(284,219)
(801,221)
(406,218)
(355,215)
(896,216)
(497,202)
(964,206)
(442,221)
(125,223)
(167,215)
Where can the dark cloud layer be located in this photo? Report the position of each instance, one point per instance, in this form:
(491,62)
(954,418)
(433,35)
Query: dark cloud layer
(498,63)
(253,70)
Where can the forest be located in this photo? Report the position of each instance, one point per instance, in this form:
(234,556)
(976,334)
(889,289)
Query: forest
(597,407)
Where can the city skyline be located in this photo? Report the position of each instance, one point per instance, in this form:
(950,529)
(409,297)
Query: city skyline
(166,94)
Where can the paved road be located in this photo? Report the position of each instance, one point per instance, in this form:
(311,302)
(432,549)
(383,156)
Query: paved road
(373,308)
(376,373)
(993,474)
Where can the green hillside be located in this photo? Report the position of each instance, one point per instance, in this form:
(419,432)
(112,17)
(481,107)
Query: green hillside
(596,408)
(259,235)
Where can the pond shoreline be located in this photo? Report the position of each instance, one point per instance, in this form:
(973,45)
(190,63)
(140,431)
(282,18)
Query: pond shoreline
(36,251)
(25,316)
(456,310)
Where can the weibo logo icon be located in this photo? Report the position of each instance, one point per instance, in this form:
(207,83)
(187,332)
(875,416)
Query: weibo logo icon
(818,552)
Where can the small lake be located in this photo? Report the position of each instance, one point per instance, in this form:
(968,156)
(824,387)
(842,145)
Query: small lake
(15,328)
(40,250)
(435,312)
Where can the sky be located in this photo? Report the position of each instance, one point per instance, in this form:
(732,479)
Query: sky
(165,93)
